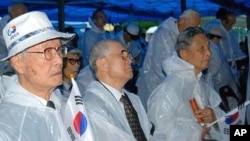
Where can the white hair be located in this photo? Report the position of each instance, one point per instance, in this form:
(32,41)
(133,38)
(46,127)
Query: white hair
(189,13)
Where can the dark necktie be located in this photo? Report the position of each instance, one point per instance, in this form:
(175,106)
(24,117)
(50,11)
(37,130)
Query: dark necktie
(133,119)
(50,104)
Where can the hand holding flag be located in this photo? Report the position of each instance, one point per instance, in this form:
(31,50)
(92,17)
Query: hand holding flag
(234,117)
(235,110)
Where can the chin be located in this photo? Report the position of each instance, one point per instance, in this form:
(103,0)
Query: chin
(57,81)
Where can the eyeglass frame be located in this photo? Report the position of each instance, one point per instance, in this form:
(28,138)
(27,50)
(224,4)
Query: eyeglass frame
(129,55)
(71,60)
(62,48)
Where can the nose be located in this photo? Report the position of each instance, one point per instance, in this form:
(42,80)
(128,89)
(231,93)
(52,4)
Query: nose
(208,52)
(58,58)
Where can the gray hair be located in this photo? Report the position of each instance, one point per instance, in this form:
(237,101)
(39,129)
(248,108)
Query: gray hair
(186,37)
(189,14)
(98,51)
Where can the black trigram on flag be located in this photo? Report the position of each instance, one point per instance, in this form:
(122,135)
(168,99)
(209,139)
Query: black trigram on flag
(78,100)
(71,134)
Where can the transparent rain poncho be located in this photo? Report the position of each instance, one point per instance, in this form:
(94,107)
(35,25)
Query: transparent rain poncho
(107,117)
(168,106)
(161,45)
(25,118)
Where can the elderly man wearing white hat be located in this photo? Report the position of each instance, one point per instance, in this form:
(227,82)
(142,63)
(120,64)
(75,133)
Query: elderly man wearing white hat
(219,70)
(31,107)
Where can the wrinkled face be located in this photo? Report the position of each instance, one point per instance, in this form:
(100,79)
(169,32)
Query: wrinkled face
(72,65)
(100,20)
(36,73)
(119,63)
(198,54)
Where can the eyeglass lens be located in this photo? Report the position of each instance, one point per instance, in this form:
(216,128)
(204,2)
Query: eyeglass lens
(51,52)
(74,61)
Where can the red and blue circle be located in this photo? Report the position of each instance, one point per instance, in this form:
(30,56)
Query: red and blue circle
(232,118)
(80,123)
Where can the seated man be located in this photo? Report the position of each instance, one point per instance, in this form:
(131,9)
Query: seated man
(110,116)
(35,52)
(168,106)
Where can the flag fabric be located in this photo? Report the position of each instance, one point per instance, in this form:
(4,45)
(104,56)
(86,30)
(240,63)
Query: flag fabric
(76,120)
(234,117)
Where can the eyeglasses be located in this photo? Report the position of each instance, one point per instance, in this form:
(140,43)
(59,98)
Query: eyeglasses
(124,54)
(73,61)
(50,53)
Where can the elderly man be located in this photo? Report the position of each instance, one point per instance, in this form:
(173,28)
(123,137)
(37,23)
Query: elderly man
(31,108)
(168,106)
(160,46)
(113,118)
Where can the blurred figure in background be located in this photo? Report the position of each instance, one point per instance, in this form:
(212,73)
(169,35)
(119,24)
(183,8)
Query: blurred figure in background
(74,41)
(71,66)
(160,46)
(17,9)
(222,79)
(95,34)
(220,14)
(231,49)
(14,10)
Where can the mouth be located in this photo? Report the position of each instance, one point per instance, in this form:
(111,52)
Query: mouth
(57,73)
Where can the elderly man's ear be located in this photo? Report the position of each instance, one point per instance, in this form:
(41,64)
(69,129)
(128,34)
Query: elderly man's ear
(102,64)
(183,54)
(17,63)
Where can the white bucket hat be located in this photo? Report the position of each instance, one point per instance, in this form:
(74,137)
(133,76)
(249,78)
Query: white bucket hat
(133,29)
(28,30)
(215,30)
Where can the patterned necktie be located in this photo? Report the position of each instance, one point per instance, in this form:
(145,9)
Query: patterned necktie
(50,104)
(133,119)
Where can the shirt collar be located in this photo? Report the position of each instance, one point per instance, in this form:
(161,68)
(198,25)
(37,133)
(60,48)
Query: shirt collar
(43,101)
(117,94)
